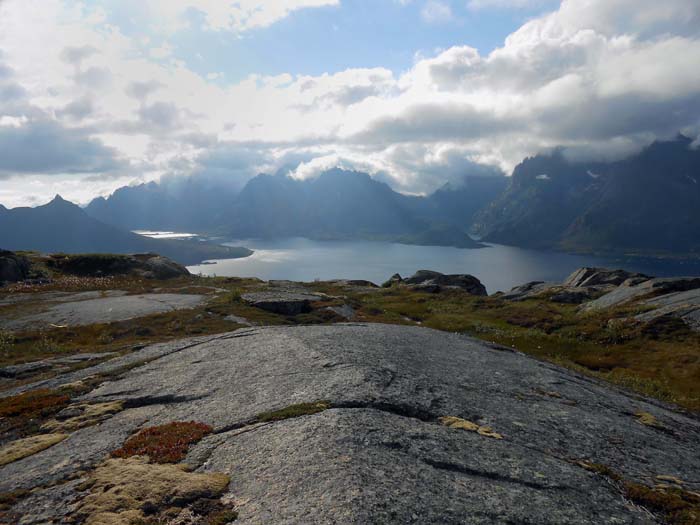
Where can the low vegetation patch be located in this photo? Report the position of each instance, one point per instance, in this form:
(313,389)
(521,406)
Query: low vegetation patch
(165,443)
(292,411)
(136,491)
(463,424)
(91,264)
(33,404)
(85,415)
(673,504)
(23,448)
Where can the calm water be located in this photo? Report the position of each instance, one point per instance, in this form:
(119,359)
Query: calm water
(498,267)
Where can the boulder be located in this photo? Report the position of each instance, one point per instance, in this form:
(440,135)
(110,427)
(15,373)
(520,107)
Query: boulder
(159,267)
(601,277)
(13,267)
(283,302)
(393,280)
(430,281)
(527,291)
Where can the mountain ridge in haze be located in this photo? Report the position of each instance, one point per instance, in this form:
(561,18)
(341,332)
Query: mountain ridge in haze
(61,226)
(338,204)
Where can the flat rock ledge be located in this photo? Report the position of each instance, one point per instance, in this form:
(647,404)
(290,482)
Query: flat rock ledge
(284,302)
(380,453)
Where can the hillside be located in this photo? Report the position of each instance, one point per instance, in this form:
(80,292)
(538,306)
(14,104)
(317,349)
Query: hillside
(648,203)
(61,226)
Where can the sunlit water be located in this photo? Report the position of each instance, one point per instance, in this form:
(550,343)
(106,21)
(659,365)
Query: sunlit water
(165,235)
(498,267)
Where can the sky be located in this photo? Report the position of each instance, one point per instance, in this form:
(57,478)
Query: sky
(95,95)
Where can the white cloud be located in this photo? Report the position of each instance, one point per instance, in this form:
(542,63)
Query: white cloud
(601,77)
(500,4)
(436,12)
(230,15)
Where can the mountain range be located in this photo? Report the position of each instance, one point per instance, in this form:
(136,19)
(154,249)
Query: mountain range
(338,204)
(61,226)
(647,203)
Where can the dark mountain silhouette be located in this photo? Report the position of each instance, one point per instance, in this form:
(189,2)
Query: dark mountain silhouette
(648,203)
(61,226)
(176,204)
(338,204)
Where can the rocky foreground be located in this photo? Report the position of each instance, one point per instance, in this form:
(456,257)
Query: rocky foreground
(300,417)
(413,426)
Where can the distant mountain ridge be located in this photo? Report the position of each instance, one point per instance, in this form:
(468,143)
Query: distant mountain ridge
(338,204)
(61,226)
(647,203)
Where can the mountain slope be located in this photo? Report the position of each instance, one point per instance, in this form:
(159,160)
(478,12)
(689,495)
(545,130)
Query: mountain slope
(649,202)
(338,204)
(176,204)
(61,226)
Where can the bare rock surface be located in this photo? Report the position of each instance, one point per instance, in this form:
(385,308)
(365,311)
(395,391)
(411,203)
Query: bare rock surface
(284,301)
(89,308)
(601,277)
(433,282)
(632,290)
(684,305)
(380,453)
(528,290)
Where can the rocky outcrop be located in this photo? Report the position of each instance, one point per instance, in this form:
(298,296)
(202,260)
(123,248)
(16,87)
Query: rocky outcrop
(393,280)
(603,277)
(13,267)
(630,291)
(429,281)
(159,267)
(284,302)
(417,426)
(527,291)
(683,305)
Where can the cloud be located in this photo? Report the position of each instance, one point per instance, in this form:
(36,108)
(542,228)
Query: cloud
(503,4)
(45,147)
(436,12)
(229,15)
(599,77)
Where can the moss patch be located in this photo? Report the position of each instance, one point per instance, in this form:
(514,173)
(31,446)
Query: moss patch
(85,415)
(128,491)
(674,505)
(463,424)
(292,411)
(649,420)
(165,443)
(23,448)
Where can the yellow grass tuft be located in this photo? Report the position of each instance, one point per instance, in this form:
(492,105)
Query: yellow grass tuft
(121,488)
(463,424)
(23,448)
